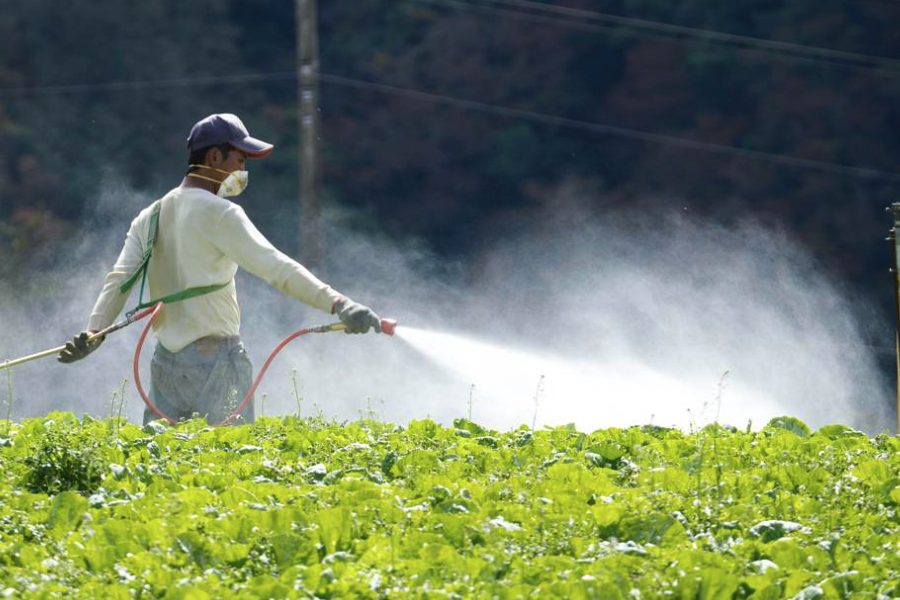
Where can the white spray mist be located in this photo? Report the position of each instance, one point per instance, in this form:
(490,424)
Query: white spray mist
(616,393)
(629,320)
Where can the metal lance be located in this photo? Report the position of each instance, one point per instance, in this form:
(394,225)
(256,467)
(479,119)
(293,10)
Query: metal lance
(131,318)
(894,209)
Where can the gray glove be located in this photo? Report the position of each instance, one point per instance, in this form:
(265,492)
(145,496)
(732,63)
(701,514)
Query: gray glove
(356,317)
(79,348)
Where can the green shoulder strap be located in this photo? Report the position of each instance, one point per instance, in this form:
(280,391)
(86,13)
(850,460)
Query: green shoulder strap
(142,269)
(148,252)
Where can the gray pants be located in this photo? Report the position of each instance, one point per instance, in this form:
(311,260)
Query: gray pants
(209,378)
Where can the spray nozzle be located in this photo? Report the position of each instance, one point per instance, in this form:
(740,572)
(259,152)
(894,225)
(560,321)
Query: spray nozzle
(389,326)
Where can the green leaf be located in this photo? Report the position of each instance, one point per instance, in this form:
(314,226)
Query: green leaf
(787,554)
(457,506)
(489,441)
(605,455)
(416,463)
(67,512)
(792,424)
(469,426)
(652,528)
(235,554)
(335,529)
(708,584)
(388,462)
(769,531)
(873,472)
(197,547)
(187,593)
(292,549)
(836,431)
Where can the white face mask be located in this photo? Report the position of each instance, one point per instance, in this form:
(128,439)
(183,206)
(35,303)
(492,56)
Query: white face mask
(235,183)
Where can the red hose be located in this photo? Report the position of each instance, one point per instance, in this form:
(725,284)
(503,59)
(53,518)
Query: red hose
(137,375)
(137,357)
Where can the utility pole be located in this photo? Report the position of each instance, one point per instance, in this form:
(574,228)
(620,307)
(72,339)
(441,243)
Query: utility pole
(894,239)
(311,237)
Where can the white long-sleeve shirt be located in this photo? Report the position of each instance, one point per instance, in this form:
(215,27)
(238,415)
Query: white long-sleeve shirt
(202,240)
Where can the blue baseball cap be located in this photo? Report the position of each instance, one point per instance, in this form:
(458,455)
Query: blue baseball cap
(226,128)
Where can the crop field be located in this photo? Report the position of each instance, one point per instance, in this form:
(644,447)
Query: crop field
(303,508)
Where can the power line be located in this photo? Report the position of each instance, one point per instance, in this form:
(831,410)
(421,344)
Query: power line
(463,103)
(124,86)
(612,129)
(590,21)
(706,33)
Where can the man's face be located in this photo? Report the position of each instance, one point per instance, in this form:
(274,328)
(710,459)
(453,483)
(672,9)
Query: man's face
(234,162)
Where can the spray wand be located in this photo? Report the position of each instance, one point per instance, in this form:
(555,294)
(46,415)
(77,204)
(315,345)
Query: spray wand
(130,318)
(388,327)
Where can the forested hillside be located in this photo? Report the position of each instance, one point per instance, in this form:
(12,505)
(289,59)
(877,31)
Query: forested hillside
(111,100)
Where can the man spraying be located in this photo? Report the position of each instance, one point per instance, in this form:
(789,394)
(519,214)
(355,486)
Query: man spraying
(197,239)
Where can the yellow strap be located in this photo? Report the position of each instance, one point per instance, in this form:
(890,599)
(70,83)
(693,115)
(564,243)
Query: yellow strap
(199,176)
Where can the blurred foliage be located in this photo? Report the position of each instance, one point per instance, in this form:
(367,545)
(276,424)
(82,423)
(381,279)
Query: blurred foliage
(450,175)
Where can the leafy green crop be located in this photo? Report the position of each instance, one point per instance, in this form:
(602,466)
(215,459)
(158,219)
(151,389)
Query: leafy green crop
(289,508)
(62,459)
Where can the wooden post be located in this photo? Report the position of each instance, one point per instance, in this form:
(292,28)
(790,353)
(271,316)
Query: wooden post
(311,238)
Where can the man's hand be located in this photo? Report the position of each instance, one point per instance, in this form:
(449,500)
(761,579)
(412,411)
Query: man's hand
(79,348)
(356,317)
